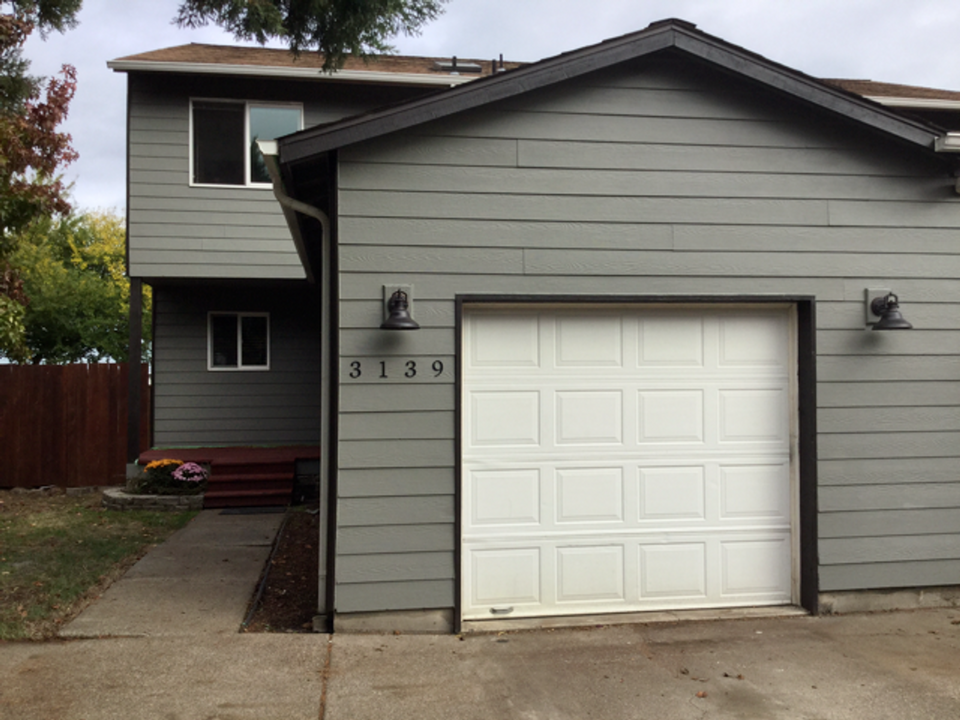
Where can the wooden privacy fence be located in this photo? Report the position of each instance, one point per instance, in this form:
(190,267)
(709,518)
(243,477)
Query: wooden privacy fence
(66,425)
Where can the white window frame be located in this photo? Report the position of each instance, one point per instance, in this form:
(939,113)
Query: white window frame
(247,105)
(239,367)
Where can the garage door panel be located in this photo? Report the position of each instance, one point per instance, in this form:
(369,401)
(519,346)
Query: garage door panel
(674,571)
(672,493)
(755,492)
(752,340)
(674,416)
(589,342)
(505,418)
(755,568)
(495,341)
(589,495)
(590,573)
(504,576)
(505,497)
(646,458)
(674,341)
(754,415)
(586,417)
(575,497)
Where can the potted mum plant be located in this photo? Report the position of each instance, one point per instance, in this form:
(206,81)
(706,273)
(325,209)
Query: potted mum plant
(171,477)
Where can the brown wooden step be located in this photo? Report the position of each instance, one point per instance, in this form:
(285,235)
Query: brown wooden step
(249,483)
(245,498)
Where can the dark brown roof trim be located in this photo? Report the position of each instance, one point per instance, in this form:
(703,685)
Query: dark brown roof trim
(882,90)
(657,37)
(223,58)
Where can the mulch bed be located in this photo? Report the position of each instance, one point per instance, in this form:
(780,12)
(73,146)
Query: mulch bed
(289,600)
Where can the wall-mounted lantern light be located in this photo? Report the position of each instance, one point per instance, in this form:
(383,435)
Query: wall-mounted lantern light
(887,309)
(398,307)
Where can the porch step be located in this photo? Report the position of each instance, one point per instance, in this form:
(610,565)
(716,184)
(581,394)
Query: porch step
(245,498)
(249,483)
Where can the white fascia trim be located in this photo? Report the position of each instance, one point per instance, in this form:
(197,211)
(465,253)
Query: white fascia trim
(948,143)
(919,103)
(371,76)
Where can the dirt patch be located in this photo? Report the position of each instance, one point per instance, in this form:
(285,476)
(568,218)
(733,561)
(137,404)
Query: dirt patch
(289,599)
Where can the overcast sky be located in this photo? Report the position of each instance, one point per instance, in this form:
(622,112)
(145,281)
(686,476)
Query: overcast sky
(914,43)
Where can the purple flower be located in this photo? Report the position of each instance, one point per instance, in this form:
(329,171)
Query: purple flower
(190,472)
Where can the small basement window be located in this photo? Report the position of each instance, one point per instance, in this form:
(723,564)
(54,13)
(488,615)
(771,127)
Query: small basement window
(224,138)
(238,341)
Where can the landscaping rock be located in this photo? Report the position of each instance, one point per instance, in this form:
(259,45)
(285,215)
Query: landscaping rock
(118,499)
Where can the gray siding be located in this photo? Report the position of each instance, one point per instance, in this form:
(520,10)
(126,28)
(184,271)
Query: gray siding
(179,231)
(195,406)
(654,180)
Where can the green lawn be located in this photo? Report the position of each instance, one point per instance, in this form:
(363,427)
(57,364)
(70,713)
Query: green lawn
(58,551)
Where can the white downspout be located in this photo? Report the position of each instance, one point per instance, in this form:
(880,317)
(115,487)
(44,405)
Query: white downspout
(291,205)
(949,143)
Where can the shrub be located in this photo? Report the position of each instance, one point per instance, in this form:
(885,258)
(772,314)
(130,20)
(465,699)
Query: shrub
(171,477)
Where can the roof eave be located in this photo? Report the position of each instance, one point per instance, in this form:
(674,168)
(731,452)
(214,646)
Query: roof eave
(353,76)
(303,145)
(949,143)
(806,88)
(509,84)
(915,103)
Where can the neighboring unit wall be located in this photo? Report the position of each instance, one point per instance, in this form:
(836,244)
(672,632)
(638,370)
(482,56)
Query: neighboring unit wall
(219,232)
(655,181)
(197,406)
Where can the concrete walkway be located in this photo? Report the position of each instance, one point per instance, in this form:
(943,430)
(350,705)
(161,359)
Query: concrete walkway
(198,582)
(163,643)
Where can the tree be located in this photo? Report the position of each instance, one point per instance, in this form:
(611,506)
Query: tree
(335,28)
(32,151)
(73,273)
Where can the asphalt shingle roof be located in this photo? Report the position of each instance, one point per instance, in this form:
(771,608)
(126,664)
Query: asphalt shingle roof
(269,57)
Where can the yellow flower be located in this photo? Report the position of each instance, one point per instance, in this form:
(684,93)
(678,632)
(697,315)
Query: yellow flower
(163,463)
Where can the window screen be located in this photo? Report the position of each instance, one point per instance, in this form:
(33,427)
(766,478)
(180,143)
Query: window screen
(254,334)
(218,140)
(223,340)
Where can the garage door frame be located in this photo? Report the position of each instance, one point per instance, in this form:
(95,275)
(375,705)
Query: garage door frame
(805,306)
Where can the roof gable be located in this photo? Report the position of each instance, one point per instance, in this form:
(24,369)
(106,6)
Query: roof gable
(668,35)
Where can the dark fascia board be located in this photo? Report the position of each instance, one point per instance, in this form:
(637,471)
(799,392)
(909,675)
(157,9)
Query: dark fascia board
(676,34)
(810,90)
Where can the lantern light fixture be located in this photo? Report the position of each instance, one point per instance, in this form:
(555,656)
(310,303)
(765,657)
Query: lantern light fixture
(887,308)
(398,309)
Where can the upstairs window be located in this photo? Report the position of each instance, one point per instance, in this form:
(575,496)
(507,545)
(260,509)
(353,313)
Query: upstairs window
(238,341)
(224,139)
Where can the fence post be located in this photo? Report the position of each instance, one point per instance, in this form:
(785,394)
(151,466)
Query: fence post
(133,372)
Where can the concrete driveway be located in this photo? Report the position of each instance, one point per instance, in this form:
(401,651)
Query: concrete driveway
(164,643)
(901,666)
(896,665)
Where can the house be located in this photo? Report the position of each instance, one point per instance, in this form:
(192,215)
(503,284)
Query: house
(642,372)
(236,304)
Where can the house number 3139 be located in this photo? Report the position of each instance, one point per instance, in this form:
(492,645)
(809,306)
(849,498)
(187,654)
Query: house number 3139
(385,369)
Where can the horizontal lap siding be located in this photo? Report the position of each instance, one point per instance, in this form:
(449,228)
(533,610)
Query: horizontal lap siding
(196,240)
(195,406)
(213,232)
(653,182)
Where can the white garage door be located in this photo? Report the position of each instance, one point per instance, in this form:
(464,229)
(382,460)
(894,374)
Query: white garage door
(623,459)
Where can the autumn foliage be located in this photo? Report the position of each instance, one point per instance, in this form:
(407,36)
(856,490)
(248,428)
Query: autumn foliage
(32,149)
